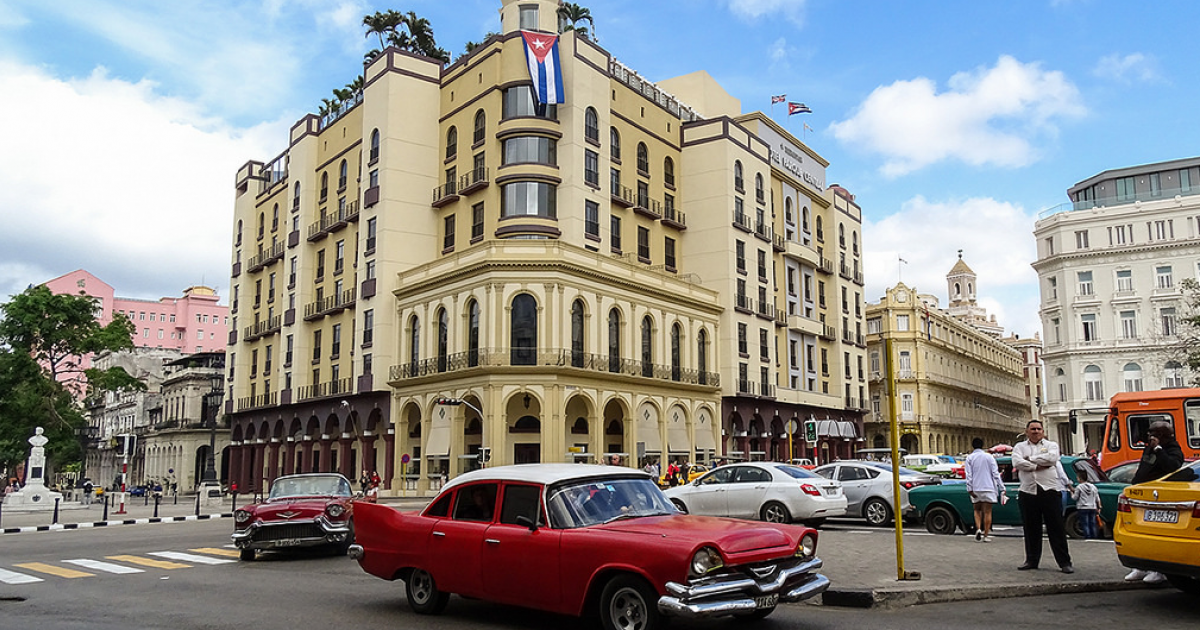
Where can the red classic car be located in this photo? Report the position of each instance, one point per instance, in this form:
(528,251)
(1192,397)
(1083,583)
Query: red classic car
(584,540)
(306,510)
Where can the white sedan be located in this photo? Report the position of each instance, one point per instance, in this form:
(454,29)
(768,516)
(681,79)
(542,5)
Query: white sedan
(772,491)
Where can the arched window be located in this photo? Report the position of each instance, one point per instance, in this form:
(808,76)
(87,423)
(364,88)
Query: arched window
(1060,378)
(275,218)
(524,330)
(451,142)
(480,127)
(842,235)
(647,347)
(296,197)
(643,158)
(854,242)
(738,182)
(577,333)
(473,333)
(591,125)
(614,143)
(1093,384)
(669,171)
(759,191)
(343,175)
(702,356)
(239,233)
(787,210)
(414,344)
(1133,377)
(443,339)
(324,186)
(804,218)
(262,224)
(675,368)
(957,290)
(374,145)
(614,340)
(820,230)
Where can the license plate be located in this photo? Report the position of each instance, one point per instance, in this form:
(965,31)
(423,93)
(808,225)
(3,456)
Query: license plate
(1160,516)
(287,542)
(766,601)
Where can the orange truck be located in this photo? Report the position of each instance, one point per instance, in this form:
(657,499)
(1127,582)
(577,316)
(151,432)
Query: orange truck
(1129,417)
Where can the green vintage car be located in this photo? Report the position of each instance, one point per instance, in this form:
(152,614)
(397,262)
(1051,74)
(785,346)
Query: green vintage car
(947,507)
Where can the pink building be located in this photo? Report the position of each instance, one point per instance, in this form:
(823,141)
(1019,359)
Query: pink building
(192,323)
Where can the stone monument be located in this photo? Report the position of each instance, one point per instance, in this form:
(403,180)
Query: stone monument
(35,495)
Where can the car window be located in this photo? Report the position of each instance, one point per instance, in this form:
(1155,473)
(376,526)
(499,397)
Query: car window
(1085,469)
(720,475)
(475,503)
(826,472)
(1007,474)
(521,501)
(851,473)
(798,473)
(441,507)
(749,474)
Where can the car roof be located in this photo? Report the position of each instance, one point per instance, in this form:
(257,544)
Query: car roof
(309,475)
(544,473)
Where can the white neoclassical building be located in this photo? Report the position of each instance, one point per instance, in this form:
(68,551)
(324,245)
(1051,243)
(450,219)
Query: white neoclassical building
(1109,264)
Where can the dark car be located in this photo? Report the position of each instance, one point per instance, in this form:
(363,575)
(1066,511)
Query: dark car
(309,510)
(947,507)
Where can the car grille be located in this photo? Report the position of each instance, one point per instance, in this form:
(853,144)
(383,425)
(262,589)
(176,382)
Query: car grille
(269,533)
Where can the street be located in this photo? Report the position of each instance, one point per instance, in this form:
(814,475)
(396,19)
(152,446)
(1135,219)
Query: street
(174,577)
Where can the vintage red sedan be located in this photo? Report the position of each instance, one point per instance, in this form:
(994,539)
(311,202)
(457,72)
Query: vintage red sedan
(307,510)
(594,541)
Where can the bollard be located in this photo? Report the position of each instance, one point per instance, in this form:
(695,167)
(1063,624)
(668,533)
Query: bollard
(56,500)
(146,498)
(107,500)
(1,510)
(197,504)
(156,497)
(234,507)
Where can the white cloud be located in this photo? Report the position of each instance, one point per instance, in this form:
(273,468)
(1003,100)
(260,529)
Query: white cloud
(991,116)
(792,10)
(778,51)
(997,244)
(110,176)
(1134,67)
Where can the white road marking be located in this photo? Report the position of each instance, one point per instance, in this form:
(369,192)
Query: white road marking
(104,566)
(191,557)
(11,577)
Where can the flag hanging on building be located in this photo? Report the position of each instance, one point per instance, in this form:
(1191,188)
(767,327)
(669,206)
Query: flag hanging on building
(798,108)
(778,99)
(541,52)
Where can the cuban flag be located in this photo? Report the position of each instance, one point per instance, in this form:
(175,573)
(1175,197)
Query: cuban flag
(541,52)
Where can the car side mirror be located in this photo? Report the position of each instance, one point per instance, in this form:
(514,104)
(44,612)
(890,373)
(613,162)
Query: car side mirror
(527,522)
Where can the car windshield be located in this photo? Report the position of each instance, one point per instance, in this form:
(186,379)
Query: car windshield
(888,467)
(799,473)
(1085,469)
(288,487)
(581,503)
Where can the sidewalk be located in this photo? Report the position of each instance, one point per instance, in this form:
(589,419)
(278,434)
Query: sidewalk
(860,561)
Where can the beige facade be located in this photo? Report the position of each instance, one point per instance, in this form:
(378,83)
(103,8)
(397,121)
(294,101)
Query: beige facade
(953,382)
(571,272)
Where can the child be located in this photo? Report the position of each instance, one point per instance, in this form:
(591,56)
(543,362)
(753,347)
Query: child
(1087,503)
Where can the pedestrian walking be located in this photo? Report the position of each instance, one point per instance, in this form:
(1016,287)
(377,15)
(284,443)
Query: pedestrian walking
(985,487)
(1160,457)
(88,490)
(1040,497)
(1087,505)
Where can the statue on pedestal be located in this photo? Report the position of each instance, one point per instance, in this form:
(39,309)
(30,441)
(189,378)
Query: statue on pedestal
(35,495)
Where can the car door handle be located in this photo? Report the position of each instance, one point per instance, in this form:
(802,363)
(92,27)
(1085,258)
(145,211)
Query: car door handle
(491,541)
(439,533)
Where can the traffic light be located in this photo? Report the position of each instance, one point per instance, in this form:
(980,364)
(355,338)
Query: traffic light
(810,430)
(448,401)
(484,455)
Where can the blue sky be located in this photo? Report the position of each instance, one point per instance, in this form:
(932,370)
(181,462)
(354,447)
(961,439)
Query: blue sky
(952,122)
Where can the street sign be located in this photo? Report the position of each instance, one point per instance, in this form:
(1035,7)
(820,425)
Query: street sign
(404,459)
(792,427)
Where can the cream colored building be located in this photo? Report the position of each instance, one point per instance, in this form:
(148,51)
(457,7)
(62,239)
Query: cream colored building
(953,381)
(570,272)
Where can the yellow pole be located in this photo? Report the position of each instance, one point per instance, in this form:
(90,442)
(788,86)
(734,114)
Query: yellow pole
(901,574)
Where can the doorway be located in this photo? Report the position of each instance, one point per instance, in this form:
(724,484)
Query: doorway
(527,453)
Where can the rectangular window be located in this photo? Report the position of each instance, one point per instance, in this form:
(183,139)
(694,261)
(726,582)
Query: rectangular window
(1124,280)
(743,344)
(1055,330)
(1167,315)
(477,221)
(1052,288)
(372,227)
(335,346)
(740,255)
(1049,243)
(368,327)
(1125,190)
(529,17)
(643,246)
(615,232)
(316,347)
(764,349)
(762,265)
(1155,185)
(902,323)
(591,168)
(1163,275)
(669,252)
(1081,239)
(1085,282)
(874,326)
(1128,324)
(614,182)
(1185,181)
(1089,327)
(448,233)
(591,219)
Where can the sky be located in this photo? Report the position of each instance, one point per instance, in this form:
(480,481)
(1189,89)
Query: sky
(953,123)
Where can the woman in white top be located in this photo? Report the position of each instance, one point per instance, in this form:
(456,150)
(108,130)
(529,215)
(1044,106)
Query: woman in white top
(985,487)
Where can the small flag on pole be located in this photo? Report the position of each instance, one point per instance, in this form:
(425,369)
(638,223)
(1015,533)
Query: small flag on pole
(809,128)
(798,108)
(778,99)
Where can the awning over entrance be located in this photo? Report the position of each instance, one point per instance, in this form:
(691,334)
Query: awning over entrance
(677,438)
(439,438)
(837,429)
(704,437)
(647,433)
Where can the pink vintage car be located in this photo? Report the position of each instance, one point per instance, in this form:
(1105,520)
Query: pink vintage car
(594,541)
(307,510)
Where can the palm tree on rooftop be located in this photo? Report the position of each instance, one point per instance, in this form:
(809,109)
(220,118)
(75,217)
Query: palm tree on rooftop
(570,14)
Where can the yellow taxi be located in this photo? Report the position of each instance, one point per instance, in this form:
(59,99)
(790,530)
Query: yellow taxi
(1158,527)
(694,473)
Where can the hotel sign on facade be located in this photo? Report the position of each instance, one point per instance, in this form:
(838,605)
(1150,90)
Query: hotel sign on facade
(789,157)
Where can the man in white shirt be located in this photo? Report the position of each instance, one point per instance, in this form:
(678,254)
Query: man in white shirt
(1040,498)
(985,487)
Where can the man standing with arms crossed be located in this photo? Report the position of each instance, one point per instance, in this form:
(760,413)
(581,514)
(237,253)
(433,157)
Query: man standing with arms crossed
(1040,498)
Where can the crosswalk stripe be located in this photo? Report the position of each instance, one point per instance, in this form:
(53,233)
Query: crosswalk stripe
(42,567)
(229,553)
(12,577)
(97,565)
(150,562)
(189,557)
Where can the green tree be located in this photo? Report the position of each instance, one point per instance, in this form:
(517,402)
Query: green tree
(406,31)
(570,14)
(42,379)
(1187,341)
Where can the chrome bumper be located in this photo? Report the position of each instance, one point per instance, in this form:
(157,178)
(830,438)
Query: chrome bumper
(731,594)
(330,533)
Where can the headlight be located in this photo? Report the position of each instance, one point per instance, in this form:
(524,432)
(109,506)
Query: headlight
(335,510)
(706,560)
(807,547)
(241,516)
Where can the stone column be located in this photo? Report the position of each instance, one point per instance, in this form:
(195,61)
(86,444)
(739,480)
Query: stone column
(260,452)
(389,458)
(289,456)
(306,451)
(273,464)
(326,454)
(344,449)
(235,464)
(366,445)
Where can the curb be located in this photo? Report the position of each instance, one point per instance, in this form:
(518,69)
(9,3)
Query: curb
(899,598)
(129,521)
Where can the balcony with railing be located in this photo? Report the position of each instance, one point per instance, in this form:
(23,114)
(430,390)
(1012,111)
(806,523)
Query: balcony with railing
(330,304)
(826,265)
(743,303)
(746,387)
(325,390)
(1162,194)
(742,222)
(269,399)
(674,218)
(830,333)
(474,180)
(262,328)
(487,358)
(766,310)
(622,196)
(445,194)
(763,231)
(778,243)
(844,271)
(781,317)
(648,207)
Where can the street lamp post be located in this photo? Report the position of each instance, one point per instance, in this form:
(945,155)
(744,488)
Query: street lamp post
(211,402)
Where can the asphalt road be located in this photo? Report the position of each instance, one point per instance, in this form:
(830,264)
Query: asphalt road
(321,591)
